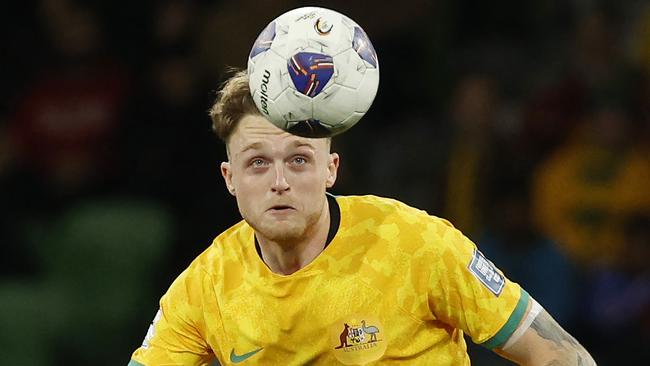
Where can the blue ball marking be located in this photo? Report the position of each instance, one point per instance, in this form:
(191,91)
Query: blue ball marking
(264,40)
(310,72)
(361,43)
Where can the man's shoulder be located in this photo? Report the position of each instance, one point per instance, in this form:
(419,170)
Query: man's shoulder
(371,206)
(385,217)
(234,236)
(371,203)
(227,245)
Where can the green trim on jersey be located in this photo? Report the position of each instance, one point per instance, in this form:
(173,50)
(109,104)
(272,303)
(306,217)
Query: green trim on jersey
(509,327)
(134,363)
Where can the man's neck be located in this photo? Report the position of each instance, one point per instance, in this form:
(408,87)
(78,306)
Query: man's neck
(287,258)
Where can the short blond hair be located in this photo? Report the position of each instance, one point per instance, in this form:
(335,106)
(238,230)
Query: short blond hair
(233,102)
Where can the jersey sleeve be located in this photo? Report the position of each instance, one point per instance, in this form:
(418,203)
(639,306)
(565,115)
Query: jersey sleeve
(175,335)
(468,292)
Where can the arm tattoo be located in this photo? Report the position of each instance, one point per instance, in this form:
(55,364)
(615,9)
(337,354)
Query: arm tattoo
(580,362)
(547,328)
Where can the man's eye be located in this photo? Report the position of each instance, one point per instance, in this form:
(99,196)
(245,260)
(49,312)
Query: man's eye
(257,162)
(299,160)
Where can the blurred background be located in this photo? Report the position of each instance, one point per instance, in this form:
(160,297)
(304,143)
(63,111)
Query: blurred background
(526,123)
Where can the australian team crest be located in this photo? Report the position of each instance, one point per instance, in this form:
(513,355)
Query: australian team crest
(357,340)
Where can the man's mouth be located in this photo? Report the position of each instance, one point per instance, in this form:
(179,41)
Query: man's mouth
(280,208)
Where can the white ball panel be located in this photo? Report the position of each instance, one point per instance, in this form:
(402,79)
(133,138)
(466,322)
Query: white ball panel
(342,40)
(280,44)
(346,124)
(271,83)
(334,104)
(350,24)
(367,90)
(346,69)
(296,106)
(352,120)
(275,113)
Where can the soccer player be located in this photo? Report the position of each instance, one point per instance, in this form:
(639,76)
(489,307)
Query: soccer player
(308,278)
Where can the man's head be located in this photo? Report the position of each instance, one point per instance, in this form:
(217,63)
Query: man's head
(278,179)
(233,102)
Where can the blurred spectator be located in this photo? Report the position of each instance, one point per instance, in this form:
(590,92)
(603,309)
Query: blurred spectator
(99,260)
(234,26)
(640,37)
(473,113)
(61,128)
(586,188)
(6,149)
(64,123)
(479,151)
(81,265)
(640,52)
(526,255)
(619,299)
(592,66)
(171,155)
(404,163)
(173,25)
(16,260)
(168,149)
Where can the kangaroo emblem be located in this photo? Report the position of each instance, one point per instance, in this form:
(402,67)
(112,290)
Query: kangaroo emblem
(344,337)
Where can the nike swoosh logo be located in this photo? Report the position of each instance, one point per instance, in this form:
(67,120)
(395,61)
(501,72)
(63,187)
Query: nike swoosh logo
(234,358)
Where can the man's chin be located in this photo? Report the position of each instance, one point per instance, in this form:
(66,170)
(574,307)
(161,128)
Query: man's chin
(281,231)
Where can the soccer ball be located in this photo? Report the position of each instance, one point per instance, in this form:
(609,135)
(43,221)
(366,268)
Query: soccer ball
(313,72)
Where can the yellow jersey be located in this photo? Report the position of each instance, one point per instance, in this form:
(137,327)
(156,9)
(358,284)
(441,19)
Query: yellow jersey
(394,285)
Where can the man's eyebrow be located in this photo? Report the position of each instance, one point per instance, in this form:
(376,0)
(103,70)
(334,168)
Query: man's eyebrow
(300,143)
(258,145)
(252,146)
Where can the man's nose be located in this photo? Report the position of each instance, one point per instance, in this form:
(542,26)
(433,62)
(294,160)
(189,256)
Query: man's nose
(280,183)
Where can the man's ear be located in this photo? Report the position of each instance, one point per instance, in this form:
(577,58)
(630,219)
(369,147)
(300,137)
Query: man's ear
(226,173)
(332,168)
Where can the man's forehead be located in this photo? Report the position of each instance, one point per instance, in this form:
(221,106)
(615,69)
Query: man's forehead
(255,133)
(274,143)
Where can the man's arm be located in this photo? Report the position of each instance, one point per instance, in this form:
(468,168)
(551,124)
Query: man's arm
(175,336)
(543,342)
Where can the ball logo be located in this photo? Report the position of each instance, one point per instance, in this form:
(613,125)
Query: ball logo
(323,27)
(309,15)
(264,87)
